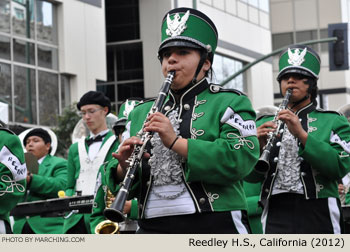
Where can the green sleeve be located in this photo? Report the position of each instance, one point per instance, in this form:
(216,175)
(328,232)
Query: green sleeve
(252,192)
(72,169)
(50,185)
(13,175)
(347,198)
(134,210)
(99,202)
(111,170)
(230,157)
(330,159)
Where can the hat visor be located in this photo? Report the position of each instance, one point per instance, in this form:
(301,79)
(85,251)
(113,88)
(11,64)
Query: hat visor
(177,43)
(294,71)
(120,123)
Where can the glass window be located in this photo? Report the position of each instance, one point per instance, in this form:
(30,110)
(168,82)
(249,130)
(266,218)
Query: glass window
(46,23)
(122,19)
(23,18)
(129,61)
(48,98)
(5,16)
(5,47)
(23,51)
(281,40)
(110,63)
(109,91)
(302,36)
(224,67)
(254,3)
(65,91)
(25,95)
(129,90)
(47,57)
(264,5)
(5,90)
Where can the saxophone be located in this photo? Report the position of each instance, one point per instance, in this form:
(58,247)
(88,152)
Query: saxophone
(115,211)
(263,164)
(107,226)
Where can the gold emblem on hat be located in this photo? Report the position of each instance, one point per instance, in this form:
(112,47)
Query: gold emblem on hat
(177,25)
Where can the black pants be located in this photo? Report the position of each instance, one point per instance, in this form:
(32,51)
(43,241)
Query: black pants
(290,213)
(198,223)
(27,229)
(79,228)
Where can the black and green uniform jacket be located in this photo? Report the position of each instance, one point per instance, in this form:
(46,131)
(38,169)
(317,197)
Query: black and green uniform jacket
(222,147)
(325,156)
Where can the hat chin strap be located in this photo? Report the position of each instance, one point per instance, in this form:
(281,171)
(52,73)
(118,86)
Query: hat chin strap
(204,56)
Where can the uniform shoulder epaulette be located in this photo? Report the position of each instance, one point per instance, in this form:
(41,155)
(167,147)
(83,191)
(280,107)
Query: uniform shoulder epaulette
(327,111)
(214,88)
(145,101)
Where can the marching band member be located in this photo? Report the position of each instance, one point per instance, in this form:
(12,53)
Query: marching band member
(204,142)
(13,173)
(50,179)
(87,155)
(300,190)
(104,196)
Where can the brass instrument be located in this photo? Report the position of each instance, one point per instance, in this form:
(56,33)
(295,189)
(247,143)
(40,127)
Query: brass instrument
(263,164)
(115,212)
(107,226)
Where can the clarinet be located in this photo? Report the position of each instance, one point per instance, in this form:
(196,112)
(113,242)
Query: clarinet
(263,164)
(115,211)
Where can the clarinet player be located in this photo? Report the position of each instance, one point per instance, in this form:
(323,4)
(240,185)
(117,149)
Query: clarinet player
(310,153)
(204,140)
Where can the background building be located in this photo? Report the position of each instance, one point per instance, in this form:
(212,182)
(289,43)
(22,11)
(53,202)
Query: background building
(53,51)
(133,36)
(295,21)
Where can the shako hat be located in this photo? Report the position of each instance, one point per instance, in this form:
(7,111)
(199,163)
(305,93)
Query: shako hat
(186,27)
(299,59)
(124,112)
(95,97)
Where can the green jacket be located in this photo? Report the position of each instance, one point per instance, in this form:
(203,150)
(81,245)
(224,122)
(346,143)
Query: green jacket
(51,178)
(252,193)
(324,158)
(13,173)
(222,146)
(73,175)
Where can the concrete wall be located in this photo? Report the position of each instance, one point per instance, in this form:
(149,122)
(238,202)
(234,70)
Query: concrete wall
(238,36)
(82,45)
(151,15)
(247,38)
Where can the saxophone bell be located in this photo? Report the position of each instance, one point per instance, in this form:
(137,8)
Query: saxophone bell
(107,226)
